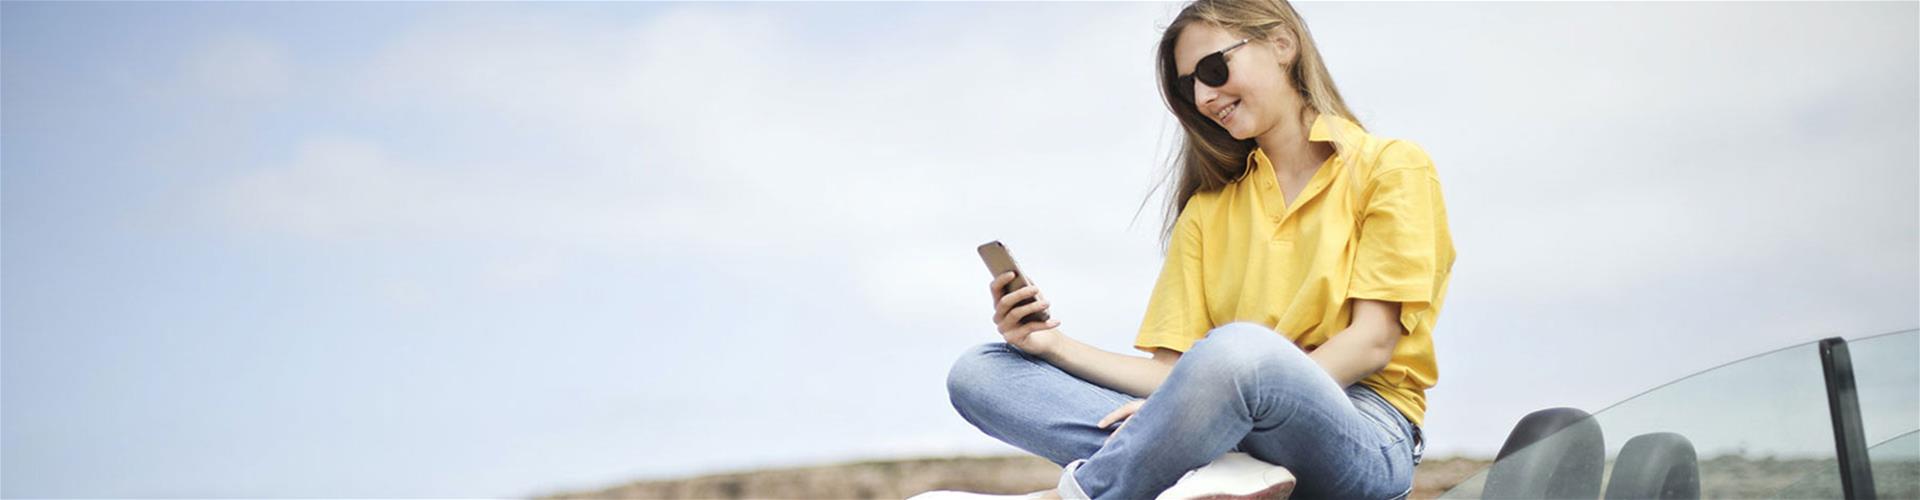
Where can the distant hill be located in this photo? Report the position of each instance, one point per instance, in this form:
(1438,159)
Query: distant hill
(903,478)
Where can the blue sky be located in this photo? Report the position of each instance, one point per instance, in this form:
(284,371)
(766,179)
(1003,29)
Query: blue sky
(497,249)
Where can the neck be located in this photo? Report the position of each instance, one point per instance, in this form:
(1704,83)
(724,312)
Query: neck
(1287,147)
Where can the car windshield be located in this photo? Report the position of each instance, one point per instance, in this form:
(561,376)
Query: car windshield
(1758,427)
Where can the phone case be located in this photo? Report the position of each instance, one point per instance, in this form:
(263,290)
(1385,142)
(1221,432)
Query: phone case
(999,261)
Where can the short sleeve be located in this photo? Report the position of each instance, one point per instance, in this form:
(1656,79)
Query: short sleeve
(1177,312)
(1398,257)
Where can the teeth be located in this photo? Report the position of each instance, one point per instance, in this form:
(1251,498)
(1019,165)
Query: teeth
(1223,111)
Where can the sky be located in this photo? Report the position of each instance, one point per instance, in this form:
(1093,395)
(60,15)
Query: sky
(504,249)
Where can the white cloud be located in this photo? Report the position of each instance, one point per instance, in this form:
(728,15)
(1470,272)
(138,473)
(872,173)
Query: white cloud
(703,132)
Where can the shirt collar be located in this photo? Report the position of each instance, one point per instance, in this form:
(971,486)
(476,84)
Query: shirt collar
(1320,131)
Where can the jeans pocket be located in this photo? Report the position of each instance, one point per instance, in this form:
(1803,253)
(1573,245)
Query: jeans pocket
(1396,445)
(1390,431)
(1385,417)
(1399,465)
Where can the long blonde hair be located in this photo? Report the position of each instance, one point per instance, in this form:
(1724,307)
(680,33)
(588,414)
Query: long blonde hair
(1209,157)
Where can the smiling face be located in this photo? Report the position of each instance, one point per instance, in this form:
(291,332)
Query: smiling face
(1257,93)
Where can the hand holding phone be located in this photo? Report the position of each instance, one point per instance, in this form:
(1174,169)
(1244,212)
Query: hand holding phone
(1019,309)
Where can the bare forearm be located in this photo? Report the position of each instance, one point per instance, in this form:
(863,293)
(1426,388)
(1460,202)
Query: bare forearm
(1349,358)
(1133,375)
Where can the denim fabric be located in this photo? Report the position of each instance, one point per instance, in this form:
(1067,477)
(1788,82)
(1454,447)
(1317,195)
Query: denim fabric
(1242,388)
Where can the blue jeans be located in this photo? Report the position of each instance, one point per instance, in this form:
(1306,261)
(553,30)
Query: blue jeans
(1242,388)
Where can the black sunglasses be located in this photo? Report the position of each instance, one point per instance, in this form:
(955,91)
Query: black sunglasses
(1211,70)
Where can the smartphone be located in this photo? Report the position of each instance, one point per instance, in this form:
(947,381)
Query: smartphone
(999,261)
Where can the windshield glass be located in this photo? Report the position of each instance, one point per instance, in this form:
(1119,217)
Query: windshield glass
(1759,427)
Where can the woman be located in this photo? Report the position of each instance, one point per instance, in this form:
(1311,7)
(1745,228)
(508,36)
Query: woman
(1292,320)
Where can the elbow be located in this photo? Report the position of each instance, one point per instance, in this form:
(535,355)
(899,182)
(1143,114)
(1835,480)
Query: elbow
(1166,357)
(1372,358)
(1388,339)
(1382,352)
(1379,323)
(1382,358)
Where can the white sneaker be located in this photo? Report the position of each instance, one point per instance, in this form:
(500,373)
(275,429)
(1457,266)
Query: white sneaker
(1234,476)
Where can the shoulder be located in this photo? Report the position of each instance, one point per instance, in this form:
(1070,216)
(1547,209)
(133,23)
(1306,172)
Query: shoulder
(1380,159)
(1205,200)
(1393,155)
(1198,209)
(1201,206)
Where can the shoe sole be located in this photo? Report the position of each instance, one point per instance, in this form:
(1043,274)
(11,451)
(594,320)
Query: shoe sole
(1278,490)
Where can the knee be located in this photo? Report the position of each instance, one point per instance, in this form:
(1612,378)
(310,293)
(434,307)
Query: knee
(1239,348)
(975,370)
(1242,336)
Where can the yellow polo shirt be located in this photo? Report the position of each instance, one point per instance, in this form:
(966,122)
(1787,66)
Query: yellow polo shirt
(1243,253)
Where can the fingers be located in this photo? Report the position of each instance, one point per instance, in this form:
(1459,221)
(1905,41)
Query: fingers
(1000,282)
(1012,308)
(1022,312)
(1008,301)
(1015,330)
(1124,411)
(1017,317)
(1017,296)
